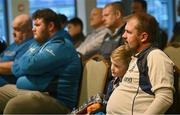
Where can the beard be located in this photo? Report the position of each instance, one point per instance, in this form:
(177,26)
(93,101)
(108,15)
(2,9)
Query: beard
(131,49)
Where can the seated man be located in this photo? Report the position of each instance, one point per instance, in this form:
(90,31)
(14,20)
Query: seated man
(48,74)
(22,32)
(94,40)
(147,86)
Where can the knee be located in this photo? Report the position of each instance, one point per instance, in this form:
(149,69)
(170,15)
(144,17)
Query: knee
(19,104)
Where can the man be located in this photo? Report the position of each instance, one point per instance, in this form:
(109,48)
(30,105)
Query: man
(113,19)
(139,6)
(63,20)
(47,74)
(94,40)
(22,33)
(176,29)
(147,86)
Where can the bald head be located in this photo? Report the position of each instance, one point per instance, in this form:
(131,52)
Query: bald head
(96,19)
(22,28)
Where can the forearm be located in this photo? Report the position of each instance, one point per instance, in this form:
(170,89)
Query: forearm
(5,68)
(163,100)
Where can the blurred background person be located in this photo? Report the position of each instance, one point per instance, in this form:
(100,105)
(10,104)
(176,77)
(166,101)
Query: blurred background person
(138,6)
(75,29)
(63,20)
(23,37)
(113,14)
(94,39)
(176,29)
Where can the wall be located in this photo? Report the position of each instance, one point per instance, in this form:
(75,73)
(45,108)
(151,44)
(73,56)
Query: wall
(16,7)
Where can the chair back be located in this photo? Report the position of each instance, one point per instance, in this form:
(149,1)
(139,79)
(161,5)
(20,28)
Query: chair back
(94,77)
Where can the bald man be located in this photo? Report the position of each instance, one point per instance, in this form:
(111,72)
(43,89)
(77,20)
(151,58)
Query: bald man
(22,34)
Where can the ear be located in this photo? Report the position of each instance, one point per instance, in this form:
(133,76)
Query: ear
(51,26)
(118,14)
(144,37)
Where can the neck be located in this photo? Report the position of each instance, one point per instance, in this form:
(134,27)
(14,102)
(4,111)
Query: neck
(143,46)
(119,24)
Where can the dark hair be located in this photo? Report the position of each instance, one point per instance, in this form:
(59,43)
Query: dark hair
(48,16)
(62,18)
(143,3)
(76,21)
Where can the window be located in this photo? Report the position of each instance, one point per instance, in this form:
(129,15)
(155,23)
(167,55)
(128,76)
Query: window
(66,7)
(2,21)
(102,3)
(163,11)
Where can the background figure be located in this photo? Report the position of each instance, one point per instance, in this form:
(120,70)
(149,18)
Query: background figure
(63,20)
(94,39)
(75,29)
(120,59)
(173,49)
(176,29)
(147,86)
(113,19)
(3,45)
(22,33)
(138,6)
(48,74)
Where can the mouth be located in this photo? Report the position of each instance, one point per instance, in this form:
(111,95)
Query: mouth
(125,42)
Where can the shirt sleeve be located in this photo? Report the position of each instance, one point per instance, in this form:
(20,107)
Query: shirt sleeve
(40,60)
(162,80)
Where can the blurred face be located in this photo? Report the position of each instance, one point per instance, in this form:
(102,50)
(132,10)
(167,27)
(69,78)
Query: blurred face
(178,9)
(118,69)
(96,18)
(40,30)
(73,29)
(131,35)
(18,32)
(136,7)
(109,17)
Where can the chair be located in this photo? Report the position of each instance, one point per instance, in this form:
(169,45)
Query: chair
(94,78)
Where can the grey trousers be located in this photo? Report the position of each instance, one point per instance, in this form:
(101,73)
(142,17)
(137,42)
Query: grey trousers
(15,101)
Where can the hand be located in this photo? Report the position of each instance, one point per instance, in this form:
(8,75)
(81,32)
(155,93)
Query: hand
(93,107)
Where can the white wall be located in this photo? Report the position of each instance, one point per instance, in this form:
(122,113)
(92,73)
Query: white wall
(83,11)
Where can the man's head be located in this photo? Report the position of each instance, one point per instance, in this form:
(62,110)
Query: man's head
(22,28)
(63,20)
(113,15)
(178,10)
(96,18)
(140,31)
(75,26)
(139,6)
(46,23)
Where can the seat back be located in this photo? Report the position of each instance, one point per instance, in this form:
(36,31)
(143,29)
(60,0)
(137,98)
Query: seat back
(94,78)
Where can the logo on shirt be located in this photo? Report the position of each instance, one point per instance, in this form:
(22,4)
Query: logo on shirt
(31,50)
(128,79)
(51,52)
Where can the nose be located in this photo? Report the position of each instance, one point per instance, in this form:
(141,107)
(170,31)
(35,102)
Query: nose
(112,68)
(33,29)
(124,35)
